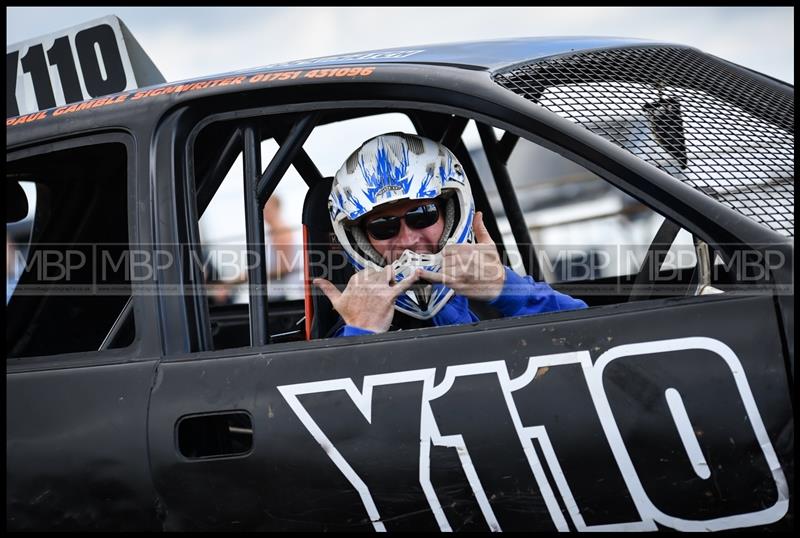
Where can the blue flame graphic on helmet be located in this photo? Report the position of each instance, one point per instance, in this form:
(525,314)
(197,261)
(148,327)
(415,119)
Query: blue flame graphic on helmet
(386,176)
(439,290)
(424,191)
(359,209)
(405,302)
(339,206)
(450,172)
(467,225)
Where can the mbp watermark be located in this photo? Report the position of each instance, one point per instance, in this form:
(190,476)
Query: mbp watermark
(109,269)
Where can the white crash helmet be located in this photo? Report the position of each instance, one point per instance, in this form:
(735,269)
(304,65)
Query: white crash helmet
(393,167)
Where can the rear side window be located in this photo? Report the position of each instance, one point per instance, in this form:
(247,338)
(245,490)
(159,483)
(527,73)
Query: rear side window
(21,209)
(68,276)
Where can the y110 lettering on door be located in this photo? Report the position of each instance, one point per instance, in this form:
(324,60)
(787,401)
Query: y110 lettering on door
(456,414)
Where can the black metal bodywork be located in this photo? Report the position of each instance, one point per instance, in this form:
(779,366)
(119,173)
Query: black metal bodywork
(552,422)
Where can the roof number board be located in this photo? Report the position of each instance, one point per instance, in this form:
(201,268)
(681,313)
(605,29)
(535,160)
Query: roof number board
(97,58)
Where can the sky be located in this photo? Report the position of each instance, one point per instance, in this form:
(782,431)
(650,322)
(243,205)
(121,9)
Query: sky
(189,42)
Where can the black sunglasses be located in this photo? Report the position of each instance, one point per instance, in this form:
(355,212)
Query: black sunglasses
(418,218)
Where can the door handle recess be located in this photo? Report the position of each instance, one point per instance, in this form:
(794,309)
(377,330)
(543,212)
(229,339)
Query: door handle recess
(215,435)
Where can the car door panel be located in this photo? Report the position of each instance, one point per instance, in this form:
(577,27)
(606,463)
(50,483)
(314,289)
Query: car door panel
(548,423)
(76,448)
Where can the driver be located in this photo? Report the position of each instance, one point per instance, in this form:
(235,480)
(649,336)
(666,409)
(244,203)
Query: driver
(402,208)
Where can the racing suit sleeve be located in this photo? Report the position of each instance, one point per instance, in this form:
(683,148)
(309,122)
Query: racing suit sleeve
(522,296)
(351,330)
(455,312)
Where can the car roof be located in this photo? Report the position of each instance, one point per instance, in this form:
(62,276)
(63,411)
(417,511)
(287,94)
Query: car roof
(482,55)
(487,55)
(507,61)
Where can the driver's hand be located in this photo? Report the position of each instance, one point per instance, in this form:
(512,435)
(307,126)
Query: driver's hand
(471,270)
(368,300)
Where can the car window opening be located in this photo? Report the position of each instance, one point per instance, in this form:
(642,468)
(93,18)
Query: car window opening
(534,213)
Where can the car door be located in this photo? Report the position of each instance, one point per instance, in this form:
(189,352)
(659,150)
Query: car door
(80,352)
(663,413)
(580,420)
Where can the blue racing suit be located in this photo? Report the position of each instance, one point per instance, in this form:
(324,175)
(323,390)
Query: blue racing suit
(521,296)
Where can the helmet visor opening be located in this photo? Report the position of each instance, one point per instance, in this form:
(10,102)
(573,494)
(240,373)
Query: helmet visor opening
(388,226)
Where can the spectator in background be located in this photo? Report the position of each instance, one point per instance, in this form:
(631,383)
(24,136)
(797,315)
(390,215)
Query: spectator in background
(283,254)
(220,292)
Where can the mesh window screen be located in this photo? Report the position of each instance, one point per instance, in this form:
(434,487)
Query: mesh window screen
(717,129)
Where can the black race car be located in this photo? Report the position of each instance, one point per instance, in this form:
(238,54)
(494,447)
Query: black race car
(653,181)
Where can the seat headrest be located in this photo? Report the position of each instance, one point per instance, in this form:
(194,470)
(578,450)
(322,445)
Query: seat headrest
(325,257)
